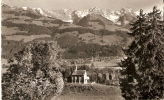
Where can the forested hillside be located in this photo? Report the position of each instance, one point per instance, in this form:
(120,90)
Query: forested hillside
(92,32)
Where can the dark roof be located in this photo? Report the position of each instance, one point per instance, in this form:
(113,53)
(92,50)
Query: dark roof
(78,72)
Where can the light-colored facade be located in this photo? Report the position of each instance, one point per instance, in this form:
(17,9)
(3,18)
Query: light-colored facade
(79,76)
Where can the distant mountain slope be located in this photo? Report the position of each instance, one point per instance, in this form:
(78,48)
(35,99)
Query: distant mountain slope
(98,22)
(126,18)
(5,7)
(114,16)
(63,14)
(26,21)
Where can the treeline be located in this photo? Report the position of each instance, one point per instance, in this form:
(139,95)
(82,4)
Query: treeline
(32,29)
(30,14)
(83,50)
(23,13)
(56,21)
(82,30)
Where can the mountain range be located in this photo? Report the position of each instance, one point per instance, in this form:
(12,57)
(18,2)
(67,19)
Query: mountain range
(22,25)
(119,17)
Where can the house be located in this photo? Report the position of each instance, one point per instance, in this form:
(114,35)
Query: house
(79,76)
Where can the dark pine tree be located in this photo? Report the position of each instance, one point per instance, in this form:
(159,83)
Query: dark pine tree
(143,74)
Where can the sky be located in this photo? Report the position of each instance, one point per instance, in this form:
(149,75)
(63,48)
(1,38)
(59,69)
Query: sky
(136,5)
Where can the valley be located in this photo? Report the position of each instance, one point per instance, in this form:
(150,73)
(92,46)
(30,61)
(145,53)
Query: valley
(92,39)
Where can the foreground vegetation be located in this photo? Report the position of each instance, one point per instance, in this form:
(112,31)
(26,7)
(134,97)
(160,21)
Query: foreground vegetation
(34,76)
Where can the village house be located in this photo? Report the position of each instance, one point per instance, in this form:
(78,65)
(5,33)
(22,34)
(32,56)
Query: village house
(79,76)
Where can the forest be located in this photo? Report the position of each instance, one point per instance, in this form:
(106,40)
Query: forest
(83,50)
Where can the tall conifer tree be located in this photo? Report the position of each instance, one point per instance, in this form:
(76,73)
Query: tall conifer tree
(144,67)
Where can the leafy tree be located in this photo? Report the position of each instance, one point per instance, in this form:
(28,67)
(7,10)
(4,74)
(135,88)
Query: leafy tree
(143,74)
(35,76)
(99,78)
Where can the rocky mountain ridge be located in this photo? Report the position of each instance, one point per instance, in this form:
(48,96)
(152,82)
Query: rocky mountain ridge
(119,17)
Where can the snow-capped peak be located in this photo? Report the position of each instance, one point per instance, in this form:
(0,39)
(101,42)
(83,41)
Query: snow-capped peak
(81,14)
(38,9)
(137,12)
(70,15)
(66,9)
(41,11)
(92,9)
(126,10)
(24,8)
(20,7)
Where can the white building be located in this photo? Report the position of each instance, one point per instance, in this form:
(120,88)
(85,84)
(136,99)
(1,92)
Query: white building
(79,76)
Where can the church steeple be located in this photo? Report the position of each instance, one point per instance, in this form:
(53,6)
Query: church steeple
(92,60)
(76,67)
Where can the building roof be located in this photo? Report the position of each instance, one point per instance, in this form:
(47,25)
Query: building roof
(78,72)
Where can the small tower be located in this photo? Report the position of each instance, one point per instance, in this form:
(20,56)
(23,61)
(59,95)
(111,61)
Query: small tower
(76,67)
(92,60)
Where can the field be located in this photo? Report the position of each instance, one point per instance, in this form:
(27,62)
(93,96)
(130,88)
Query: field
(10,31)
(63,26)
(80,96)
(25,38)
(89,92)
(107,39)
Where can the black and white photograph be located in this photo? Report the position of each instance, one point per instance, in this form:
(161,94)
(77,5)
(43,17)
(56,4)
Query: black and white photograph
(82,50)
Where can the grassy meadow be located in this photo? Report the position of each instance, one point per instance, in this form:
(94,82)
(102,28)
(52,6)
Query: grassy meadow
(89,92)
